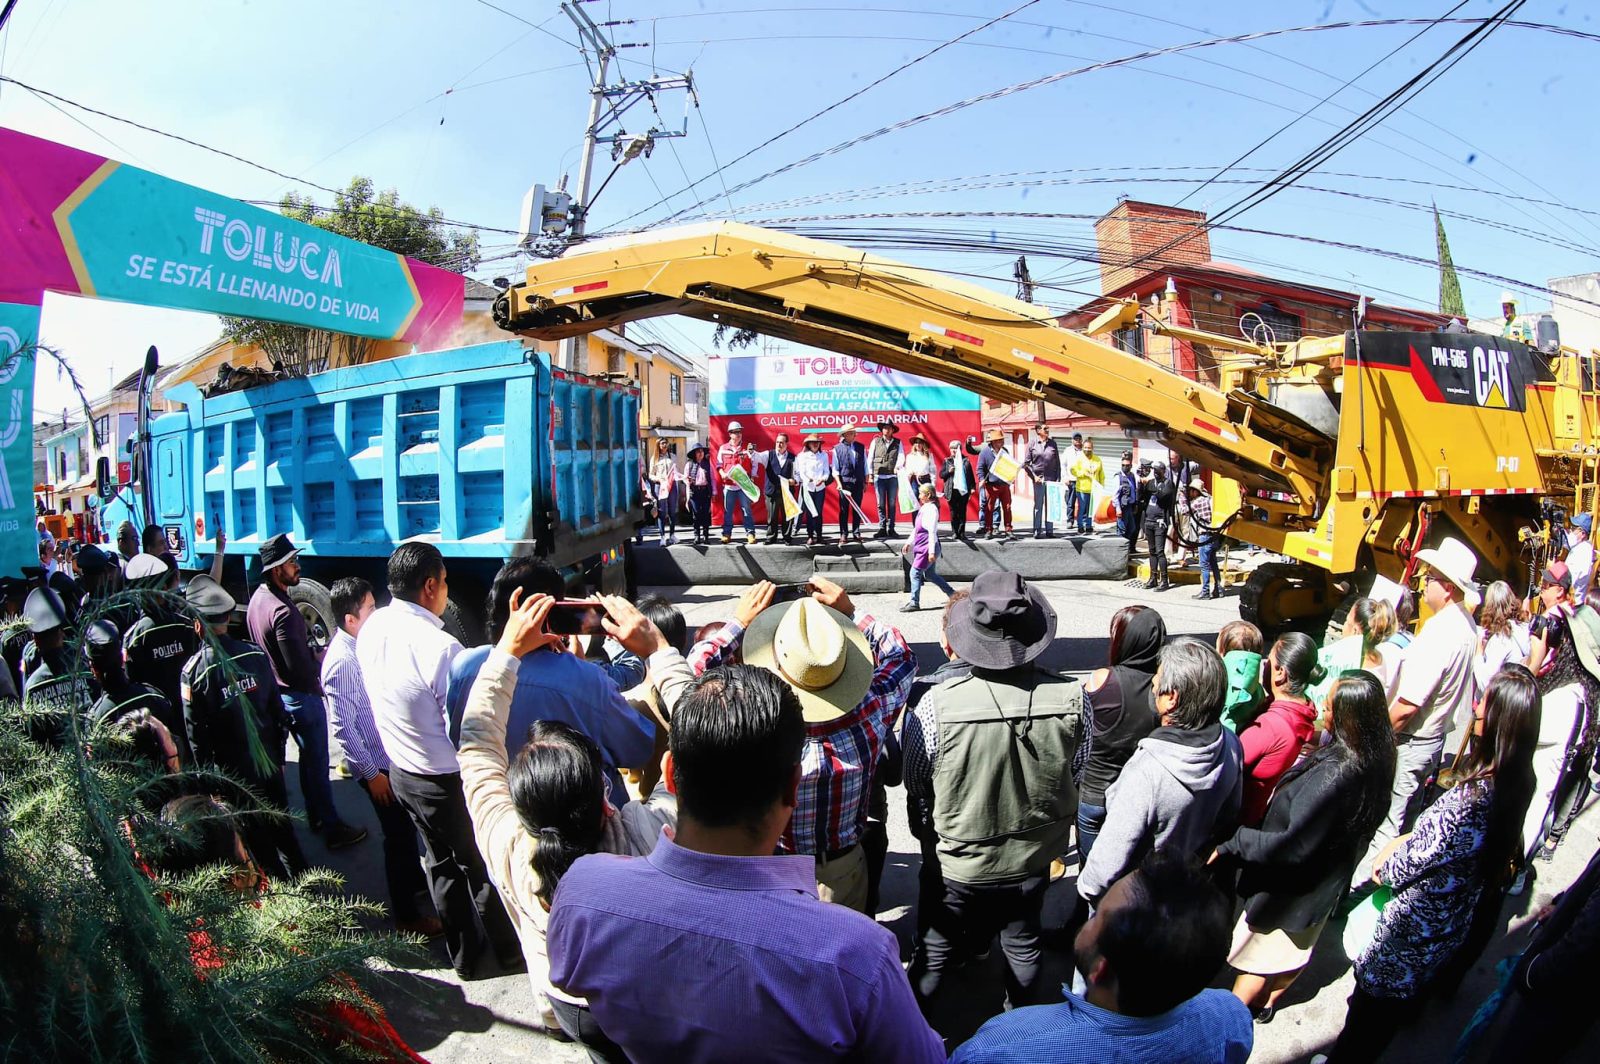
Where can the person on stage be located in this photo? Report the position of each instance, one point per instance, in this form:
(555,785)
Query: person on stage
(850,473)
(778,467)
(883,462)
(812,471)
(958,487)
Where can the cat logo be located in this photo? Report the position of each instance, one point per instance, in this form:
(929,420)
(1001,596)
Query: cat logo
(1490,380)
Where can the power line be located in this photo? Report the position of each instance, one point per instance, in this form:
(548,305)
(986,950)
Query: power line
(838,104)
(46,94)
(1050,79)
(532,25)
(1264,141)
(1352,131)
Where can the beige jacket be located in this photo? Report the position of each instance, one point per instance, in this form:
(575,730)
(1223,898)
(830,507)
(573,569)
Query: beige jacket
(504,843)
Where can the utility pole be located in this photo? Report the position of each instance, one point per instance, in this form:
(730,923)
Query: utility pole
(554,221)
(604,50)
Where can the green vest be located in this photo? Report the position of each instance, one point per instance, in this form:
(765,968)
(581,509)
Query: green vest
(1004,797)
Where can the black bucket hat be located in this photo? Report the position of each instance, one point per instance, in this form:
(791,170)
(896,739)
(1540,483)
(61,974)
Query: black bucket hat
(1001,623)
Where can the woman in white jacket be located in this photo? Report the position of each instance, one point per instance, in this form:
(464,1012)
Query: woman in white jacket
(536,812)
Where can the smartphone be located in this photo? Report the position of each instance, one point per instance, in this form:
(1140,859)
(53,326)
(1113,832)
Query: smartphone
(790,592)
(575,618)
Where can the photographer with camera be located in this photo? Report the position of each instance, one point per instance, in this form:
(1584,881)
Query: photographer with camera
(555,684)
(537,795)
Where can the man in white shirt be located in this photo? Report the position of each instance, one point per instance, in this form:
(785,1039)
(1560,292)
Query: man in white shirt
(1580,556)
(1435,682)
(405,657)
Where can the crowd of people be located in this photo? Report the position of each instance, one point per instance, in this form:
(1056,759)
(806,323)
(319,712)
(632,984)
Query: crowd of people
(797,484)
(706,813)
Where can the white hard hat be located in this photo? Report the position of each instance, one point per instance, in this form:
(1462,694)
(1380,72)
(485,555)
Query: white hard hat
(1507,297)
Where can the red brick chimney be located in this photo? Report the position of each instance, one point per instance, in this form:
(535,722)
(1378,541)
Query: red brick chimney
(1132,230)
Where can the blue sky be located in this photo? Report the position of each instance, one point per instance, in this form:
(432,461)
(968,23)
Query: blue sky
(462,106)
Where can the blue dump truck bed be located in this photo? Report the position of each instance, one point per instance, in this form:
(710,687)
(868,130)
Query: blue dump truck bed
(485,451)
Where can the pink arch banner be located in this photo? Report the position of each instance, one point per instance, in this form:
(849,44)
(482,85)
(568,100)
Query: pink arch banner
(81,224)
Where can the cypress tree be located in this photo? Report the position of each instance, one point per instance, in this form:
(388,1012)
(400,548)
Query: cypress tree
(106,960)
(1449,284)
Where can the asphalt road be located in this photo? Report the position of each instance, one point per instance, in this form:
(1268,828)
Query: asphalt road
(495,1020)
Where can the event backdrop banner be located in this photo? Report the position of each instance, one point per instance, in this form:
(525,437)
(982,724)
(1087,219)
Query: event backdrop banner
(804,392)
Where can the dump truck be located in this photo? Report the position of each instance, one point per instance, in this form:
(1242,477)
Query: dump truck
(1344,454)
(486,451)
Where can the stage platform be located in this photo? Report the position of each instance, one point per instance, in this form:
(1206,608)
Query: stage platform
(877,565)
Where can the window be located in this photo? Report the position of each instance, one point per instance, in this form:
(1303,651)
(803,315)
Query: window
(674,389)
(102,428)
(61,466)
(1129,340)
(1268,324)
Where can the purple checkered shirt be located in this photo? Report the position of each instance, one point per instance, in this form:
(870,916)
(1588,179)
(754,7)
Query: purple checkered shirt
(840,756)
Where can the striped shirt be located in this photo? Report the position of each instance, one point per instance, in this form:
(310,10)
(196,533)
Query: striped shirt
(840,756)
(349,710)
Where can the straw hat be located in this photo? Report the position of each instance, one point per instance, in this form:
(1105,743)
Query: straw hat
(1454,560)
(995,435)
(818,651)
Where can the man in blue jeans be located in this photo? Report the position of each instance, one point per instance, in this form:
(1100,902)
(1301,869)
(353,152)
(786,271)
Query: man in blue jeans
(277,628)
(1199,506)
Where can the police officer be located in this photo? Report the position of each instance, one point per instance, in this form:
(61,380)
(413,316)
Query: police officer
(119,696)
(225,679)
(157,644)
(45,662)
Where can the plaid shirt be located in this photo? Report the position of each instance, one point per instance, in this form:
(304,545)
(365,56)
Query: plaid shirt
(1200,516)
(840,756)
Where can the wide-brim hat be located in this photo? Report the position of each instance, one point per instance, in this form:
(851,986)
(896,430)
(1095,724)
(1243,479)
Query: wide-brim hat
(817,651)
(44,611)
(850,427)
(1001,623)
(147,571)
(813,438)
(919,436)
(208,598)
(1455,561)
(889,425)
(697,446)
(995,434)
(1197,484)
(1583,521)
(277,551)
(102,643)
(91,560)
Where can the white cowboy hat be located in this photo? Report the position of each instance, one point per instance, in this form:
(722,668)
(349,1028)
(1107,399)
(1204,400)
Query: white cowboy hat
(817,651)
(1454,561)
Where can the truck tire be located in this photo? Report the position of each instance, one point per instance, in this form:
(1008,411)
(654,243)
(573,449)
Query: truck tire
(316,606)
(1286,596)
(463,624)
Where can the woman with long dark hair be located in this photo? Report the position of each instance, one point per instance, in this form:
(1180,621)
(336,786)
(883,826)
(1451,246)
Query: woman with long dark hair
(1568,730)
(1273,741)
(1460,853)
(1122,710)
(535,813)
(1295,868)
